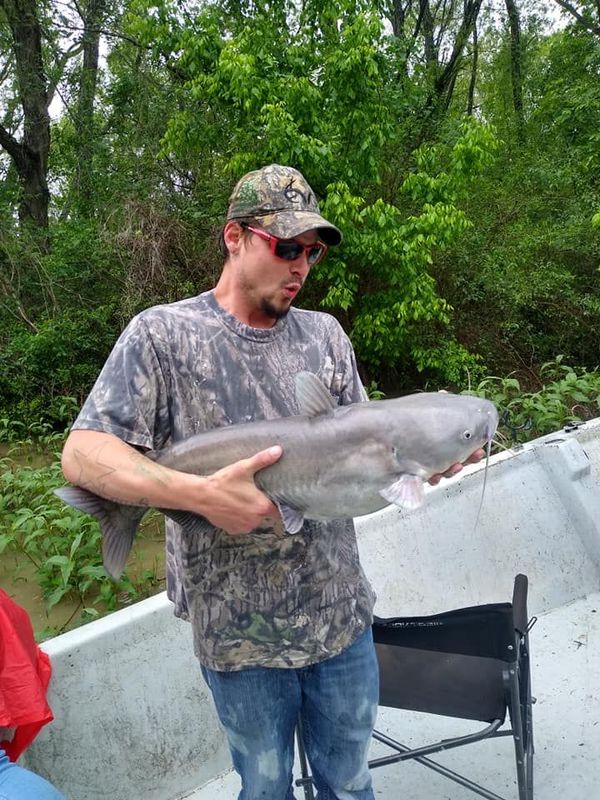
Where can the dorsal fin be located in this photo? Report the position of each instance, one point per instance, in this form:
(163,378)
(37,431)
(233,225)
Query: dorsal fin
(313,398)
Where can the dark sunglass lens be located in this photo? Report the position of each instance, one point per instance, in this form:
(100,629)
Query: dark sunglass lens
(314,254)
(288,250)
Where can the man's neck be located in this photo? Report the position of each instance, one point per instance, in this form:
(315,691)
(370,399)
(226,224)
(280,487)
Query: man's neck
(235,303)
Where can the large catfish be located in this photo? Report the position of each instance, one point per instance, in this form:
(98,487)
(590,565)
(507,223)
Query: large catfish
(338,461)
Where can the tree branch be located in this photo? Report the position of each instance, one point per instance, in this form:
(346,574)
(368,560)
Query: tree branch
(5,70)
(473,79)
(446,79)
(587,23)
(73,51)
(12,146)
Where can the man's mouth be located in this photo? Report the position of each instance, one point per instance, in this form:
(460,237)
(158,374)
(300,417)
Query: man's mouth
(290,290)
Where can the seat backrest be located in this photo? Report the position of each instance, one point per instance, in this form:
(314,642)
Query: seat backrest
(450,664)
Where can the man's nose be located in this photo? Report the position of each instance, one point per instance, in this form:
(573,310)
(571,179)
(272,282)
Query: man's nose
(300,265)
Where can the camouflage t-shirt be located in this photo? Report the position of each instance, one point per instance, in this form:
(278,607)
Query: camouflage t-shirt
(265,598)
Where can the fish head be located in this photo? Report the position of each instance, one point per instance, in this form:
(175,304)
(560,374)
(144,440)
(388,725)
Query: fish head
(432,431)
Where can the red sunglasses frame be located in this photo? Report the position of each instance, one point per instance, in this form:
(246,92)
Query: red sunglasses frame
(273,241)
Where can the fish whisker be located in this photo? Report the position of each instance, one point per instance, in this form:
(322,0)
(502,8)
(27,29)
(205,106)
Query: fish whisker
(488,451)
(500,445)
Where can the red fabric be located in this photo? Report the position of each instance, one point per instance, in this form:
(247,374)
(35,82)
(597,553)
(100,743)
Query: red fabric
(24,677)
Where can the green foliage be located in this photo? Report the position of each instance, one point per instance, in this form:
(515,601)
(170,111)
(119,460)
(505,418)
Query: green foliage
(374,392)
(450,363)
(58,319)
(279,88)
(565,78)
(567,395)
(470,245)
(524,280)
(382,270)
(39,370)
(40,434)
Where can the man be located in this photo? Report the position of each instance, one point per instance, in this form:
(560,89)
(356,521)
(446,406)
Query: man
(281,623)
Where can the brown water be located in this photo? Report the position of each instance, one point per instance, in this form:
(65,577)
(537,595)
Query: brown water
(17,574)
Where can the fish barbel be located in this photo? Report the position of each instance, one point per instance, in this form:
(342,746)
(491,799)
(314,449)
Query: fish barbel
(337,461)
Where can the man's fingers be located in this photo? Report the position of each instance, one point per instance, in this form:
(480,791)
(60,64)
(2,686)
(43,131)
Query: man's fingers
(263,459)
(456,468)
(475,457)
(435,479)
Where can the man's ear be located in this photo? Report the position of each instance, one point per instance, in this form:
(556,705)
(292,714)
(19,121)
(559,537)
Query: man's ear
(233,234)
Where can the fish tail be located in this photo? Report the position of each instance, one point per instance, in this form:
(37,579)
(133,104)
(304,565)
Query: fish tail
(118,523)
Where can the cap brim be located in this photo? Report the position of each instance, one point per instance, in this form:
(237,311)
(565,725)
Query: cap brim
(288,224)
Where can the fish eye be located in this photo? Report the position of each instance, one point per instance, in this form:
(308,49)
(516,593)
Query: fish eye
(467,435)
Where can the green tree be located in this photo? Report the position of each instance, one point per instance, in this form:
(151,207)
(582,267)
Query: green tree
(531,263)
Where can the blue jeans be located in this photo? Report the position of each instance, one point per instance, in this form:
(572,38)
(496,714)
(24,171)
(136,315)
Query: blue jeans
(337,703)
(17,783)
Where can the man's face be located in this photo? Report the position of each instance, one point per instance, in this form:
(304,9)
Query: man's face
(270,284)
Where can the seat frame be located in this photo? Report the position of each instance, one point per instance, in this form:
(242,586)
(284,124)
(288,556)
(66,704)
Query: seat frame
(512,660)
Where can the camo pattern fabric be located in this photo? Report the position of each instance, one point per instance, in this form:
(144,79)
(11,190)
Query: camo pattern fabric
(282,202)
(265,598)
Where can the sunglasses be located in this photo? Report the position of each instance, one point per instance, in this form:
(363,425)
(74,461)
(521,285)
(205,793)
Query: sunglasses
(289,249)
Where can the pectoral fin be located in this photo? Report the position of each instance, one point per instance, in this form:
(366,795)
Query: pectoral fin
(293,519)
(407,492)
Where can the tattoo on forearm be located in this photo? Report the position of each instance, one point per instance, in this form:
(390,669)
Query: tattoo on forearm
(95,482)
(150,469)
(95,478)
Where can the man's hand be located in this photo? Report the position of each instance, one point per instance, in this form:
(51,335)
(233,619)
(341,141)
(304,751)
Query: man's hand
(233,502)
(472,459)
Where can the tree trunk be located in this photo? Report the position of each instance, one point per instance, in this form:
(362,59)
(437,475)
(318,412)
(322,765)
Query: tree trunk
(447,77)
(431,53)
(516,65)
(397,16)
(84,117)
(475,59)
(30,156)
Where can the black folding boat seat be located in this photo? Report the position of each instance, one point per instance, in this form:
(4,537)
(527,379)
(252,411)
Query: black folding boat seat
(469,663)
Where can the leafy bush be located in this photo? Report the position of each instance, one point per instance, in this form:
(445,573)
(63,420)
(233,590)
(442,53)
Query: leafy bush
(569,395)
(41,371)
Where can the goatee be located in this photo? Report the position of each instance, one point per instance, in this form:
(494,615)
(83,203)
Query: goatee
(271,311)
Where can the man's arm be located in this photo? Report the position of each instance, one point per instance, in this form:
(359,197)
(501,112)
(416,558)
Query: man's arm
(109,467)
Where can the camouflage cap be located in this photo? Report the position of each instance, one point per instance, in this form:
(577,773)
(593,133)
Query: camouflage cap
(282,202)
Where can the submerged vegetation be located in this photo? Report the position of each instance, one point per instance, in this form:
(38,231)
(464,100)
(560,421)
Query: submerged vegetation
(52,546)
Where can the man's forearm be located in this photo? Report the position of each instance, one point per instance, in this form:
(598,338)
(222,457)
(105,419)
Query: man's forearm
(109,467)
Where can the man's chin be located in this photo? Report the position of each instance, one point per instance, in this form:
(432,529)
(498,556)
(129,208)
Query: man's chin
(274,311)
